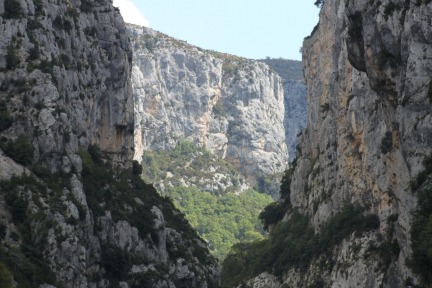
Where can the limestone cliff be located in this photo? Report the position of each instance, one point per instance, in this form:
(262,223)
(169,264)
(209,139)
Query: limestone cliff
(232,106)
(73,213)
(368,74)
(295,101)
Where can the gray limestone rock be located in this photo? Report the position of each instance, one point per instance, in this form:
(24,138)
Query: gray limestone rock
(65,74)
(232,106)
(368,72)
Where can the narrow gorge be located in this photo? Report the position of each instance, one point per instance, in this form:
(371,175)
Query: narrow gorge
(107,129)
(209,125)
(363,161)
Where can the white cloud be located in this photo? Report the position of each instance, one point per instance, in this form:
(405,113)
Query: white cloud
(131,13)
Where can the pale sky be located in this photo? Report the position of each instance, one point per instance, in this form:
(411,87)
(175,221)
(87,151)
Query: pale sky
(252,29)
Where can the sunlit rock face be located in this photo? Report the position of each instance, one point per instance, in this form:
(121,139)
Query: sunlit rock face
(368,75)
(232,106)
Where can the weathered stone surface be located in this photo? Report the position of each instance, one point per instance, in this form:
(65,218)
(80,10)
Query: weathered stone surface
(368,72)
(265,280)
(65,75)
(232,106)
(9,168)
(291,73)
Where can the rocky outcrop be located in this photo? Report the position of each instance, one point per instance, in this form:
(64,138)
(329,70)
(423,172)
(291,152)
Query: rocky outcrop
(78,216)
(232,106)
(71,71)
(367,69)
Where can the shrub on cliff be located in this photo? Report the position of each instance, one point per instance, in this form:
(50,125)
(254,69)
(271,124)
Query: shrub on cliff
(5,118)
(293,243)
(6,279)
(319,3)
(421,229)
(13,9)
(272,214)
(20,150)
(12,58)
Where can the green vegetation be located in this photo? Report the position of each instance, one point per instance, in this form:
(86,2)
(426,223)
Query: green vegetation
(128,198)
(274,212)
(389,249)
(423,175)
(12,58)
(232,64)
(222,220)
(2,231)
(219,109)
(13,9)
(285,187)
(62,24)
(20,150)
(38,7)
(116,263)
(136,168)
(229,68)
(319,3)
(34,53)
(122,192)
(421,229)
(293,243)
(148,42)
(187,161)
(26,261)
(6,279)
(5,118)
(86,6)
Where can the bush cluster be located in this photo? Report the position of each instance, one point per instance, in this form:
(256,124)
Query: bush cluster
(189,161)
(117,191)
(5,118)
(272,214)
(20,150)
(222,220)
(12,58)
(421,229)
(27,262)
(6,279)
(13,9)
(293,244)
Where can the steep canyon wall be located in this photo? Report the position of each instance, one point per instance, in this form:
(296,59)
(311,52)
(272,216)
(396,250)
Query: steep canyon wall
(368,71)
(73,214)
(232,106)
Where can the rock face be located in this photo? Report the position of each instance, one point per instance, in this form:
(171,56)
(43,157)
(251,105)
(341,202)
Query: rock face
(232,106)
(74,79)
(78,217)
(295,101)
(295,113)
(368,74)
